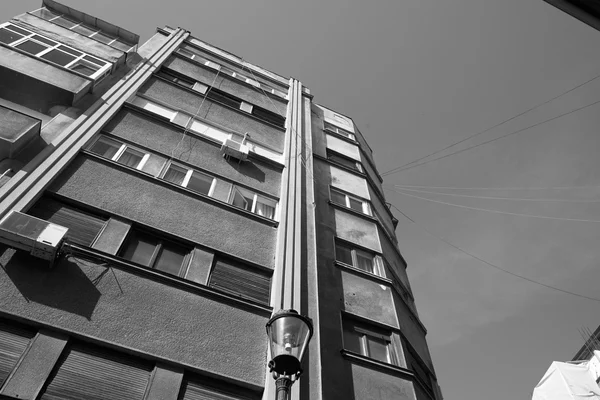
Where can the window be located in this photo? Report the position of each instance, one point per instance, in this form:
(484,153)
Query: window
(339,131)
(5,176)
(203,388)
(53,52)
(150,251)
(355,203)
(119,152)
(189,178)
(252,202)
(184,81)
(345,161)
(83,29)
(369,341)
(358,258)
(240,279)
(14,340)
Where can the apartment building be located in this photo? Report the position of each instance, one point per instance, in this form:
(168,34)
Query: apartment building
(201,194)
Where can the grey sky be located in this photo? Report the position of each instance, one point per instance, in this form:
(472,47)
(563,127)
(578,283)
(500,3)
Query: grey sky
(416,76)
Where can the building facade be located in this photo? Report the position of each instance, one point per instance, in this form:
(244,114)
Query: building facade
(201,193)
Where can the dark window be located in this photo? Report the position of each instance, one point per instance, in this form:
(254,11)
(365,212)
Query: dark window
(150,251)
(83,226)
(268,116)
(370,341)
(91,373)
(355,203)
(208,389)
(14,340)
(345,161)
(177,79)
(58,57)
(31,47)
(240,279)
(224,98)
(358,258)
(7,36)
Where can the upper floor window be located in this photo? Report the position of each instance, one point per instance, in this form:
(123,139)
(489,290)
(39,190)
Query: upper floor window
(250,201)
(238,278)
(345,161)
(156,253)
(339,131)
(189,178)
(119,152)
(54,52)
(83,29)
(359,258)
(369,341)
(347,200)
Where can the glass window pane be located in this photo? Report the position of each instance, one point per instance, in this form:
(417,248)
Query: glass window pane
(83,69)
(32,47)
(139,249)
(94,60)
(44,40)
(84,30)
(352,340)
(106,147)
(175,175)
(364,261)
(343,253)
(265,210)
(131,157)
(101,37)
(338,197)
(239,200)
(67,23)
(44,13)
(378,349)
(58,57)
(7,36)
(170,259)
(70,50)
(18,30)
(343,161)
(356,204)
(200,183)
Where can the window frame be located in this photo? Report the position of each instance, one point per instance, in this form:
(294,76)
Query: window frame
(329,127)
(120,151)
(100,72)
(256,199)
(95,30)
(377,262)
(188,175)
(366,206)
(364,331)
(333,155)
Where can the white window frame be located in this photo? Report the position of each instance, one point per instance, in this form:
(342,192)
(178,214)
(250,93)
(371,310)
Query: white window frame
(377,260)
(188,176)
(92,28)
(121,151)
(102,70)
(328,126)
(256,198)
(363,333)
(366,208)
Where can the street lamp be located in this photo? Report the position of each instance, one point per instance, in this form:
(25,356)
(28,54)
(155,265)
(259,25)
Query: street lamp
(289,334)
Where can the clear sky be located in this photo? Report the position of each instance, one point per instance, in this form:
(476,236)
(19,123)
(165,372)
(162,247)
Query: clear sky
(416,76)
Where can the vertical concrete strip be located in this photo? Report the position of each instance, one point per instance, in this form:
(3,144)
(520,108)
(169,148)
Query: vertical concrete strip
(165,383)
(37,363)
(48,164)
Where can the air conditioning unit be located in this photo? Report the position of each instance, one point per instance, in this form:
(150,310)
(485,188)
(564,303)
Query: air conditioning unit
(42,239)
(231,148)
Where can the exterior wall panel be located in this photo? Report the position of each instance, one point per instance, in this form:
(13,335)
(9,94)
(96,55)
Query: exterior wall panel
(342,147)
(349,182)
(368,299)
(371,384)
(356,230)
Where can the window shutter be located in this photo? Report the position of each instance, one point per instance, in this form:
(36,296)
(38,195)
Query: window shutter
(238,279)
(97,374)
(83,227)
(191,390)
(13,342)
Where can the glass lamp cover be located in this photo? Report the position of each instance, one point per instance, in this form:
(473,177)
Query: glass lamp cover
(288,335)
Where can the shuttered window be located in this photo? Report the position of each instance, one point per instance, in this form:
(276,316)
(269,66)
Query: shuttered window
(196,390)
(242,280)
(89,373)
(83,226)
(13,342)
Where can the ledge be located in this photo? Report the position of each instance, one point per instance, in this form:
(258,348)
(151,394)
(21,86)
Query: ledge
(379,365)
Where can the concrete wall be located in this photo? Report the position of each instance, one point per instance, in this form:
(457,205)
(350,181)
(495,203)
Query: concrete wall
(372,384)
(368,299)
(383,213)
(227,117)
(356,230)
(164,138)
(342,147)
(17,129)
(132,310)
(142,199)
(347,181)
(412,330)
(227,83)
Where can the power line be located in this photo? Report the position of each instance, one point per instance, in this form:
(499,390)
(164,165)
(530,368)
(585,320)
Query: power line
(493,265)
(495,126)
(497,188)
(496,211)
(494,197)
(492,140)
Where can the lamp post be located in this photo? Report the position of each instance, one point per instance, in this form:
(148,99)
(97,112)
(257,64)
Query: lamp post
(289,334)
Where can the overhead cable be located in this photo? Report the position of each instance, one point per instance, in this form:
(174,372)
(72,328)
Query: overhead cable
(493,265)
(495,211)
(489,129)
(496,188)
